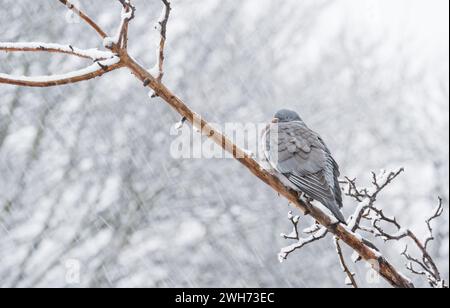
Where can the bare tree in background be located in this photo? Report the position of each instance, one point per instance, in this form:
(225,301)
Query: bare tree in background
(117,57)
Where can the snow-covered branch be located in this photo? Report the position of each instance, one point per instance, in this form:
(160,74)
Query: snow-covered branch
(123,59)
(315,233)
(367,197)
(367,211)
(93,54)
(97,69)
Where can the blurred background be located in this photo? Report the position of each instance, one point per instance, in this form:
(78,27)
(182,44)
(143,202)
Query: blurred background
(90,195)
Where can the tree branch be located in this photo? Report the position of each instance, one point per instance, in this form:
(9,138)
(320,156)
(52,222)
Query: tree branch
(315,234)
(158,70)
(350,276)
(95,70)
(84,17)
(93,54)
(368,211)
(128,14)
(378,262)
(163,31)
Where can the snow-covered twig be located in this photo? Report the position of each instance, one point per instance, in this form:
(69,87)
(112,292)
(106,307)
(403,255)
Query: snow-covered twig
(320,233)
(93,54)
(97,69)
(367,197)
(350,280)
(128,14)
(368,211)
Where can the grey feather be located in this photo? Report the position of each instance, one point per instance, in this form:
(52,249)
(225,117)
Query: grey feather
(300,154)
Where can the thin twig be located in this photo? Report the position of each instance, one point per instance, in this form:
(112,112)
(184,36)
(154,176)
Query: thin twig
(160,56)
(350,276)
(84,17)
(93,54)
(368,211)
(95,70)
(163,31)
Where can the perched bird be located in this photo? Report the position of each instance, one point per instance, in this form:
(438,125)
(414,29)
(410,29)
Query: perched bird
(299,155)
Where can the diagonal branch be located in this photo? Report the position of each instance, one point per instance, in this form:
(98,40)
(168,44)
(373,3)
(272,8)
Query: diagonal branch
(84,17)
(377,261)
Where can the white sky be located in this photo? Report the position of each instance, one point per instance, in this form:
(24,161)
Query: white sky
(425,22)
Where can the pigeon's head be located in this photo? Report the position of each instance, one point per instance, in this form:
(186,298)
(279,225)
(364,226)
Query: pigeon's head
(286,115)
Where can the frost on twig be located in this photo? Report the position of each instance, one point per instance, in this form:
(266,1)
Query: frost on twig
(315,233)
(371,219)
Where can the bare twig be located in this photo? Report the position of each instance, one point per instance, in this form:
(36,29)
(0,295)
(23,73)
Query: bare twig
(163,30)
(160,53)
(350,276)
(437,213)
(84,17)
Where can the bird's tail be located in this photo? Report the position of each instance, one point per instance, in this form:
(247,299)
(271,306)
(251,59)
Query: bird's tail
(334,208)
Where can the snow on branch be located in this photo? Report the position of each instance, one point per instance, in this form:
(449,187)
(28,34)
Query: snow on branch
(95,70)
(367,197)
(377,222)
(315,233)
(128,14)
(93,54)
(325,223)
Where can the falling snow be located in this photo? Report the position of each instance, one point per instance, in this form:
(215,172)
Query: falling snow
(87,182)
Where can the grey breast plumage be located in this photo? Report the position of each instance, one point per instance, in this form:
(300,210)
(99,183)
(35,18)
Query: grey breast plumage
(300,155)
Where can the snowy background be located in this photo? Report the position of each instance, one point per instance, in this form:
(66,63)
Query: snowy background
(90,195)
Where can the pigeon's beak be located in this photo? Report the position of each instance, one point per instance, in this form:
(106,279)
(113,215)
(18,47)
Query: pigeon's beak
(275,120)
